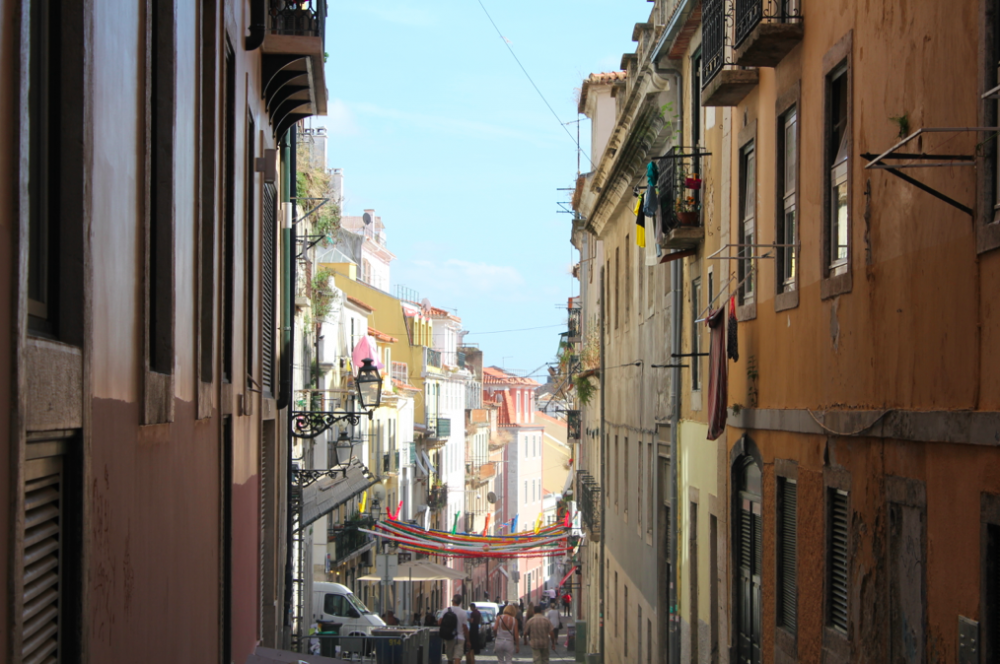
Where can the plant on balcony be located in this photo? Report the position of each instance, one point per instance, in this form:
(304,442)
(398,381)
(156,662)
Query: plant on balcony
(584,388)
(687,208)
(322,294)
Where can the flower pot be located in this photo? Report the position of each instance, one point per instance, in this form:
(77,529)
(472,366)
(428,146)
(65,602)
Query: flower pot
(687,218)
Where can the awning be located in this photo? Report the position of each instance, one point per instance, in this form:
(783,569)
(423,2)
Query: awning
(420,570)
(325,495)
(568,574)
(271,656)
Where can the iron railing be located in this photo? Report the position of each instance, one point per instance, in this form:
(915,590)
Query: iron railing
(347,538)
(714,39)
(438,497)
(590,502)
(749,14)
(433,358)
(298,18)
(680,187)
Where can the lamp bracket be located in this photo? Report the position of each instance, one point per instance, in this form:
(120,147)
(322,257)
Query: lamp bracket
(311,423)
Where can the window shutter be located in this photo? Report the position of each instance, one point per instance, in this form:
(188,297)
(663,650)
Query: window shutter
(269,231)
(746,538)
(43,538)
(788,537)
(838,559)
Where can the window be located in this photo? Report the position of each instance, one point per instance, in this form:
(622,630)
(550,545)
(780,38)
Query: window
(990,571)
(787,231)
(695,334)
(638,494)
(51,550)
(268,270)
(787,525)
(649,492)
(626,639)
(748,212)
(614,474)
(836,558)
(649,641)
(617,289)
(696,108)
(638,636)
(228,216)
(616,603)
(837,147)
(625,473)
(628,278)
(748,557)
(251,314)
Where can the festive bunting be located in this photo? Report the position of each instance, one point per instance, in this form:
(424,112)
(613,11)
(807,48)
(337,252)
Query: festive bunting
(551,540)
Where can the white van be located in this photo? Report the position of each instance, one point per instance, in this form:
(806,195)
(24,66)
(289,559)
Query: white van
(336,603)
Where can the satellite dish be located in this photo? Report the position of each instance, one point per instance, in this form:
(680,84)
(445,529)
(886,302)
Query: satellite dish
(378,491)
(491,497)
(367,218)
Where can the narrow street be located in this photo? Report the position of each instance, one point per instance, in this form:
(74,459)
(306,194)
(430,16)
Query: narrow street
(319,318)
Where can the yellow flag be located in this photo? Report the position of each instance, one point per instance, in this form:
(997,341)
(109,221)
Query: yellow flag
(364,501)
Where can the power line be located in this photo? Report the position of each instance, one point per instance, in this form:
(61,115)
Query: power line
(531,80)
(523,329)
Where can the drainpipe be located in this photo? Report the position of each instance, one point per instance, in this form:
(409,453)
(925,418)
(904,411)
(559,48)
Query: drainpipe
(257,27)
(676,309)
(287,322)
(603,483)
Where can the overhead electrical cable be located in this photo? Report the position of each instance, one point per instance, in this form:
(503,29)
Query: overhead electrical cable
(531,80)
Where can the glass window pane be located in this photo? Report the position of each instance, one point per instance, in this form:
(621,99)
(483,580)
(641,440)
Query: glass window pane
(751,202)
(838,223)
(791,127)
(789,239)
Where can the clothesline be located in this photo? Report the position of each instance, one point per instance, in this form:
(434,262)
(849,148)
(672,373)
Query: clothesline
(749,274)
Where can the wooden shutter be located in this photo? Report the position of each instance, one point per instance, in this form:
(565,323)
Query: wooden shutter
(838,559)
(43,541)
(269,232)
(788,536)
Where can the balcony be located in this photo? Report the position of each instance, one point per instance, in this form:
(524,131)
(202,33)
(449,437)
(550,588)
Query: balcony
(722,85)
(390,463)
(681,195)
(438,428)
(766,31)
(345,540)
(433,358)
(292,69)
(437,498)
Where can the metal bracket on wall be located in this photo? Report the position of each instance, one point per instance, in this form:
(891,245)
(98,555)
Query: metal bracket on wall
(925,160)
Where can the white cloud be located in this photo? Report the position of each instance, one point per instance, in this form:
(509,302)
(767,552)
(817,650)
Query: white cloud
(340,120)
(449,282)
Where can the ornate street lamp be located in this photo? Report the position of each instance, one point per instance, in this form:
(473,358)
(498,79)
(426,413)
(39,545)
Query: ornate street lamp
(369,384)
(311,423)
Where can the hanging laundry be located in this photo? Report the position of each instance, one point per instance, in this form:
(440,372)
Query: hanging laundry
(718,374)
(640,222)
(652,200)
(732,340)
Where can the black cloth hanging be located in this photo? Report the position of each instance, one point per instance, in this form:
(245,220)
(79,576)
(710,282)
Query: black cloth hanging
(732,339)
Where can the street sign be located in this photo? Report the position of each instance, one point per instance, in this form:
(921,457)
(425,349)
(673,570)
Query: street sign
(386,566)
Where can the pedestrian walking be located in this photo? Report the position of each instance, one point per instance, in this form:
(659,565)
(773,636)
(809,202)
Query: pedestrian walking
(473,646)
(507,639)
(555,619)
(566,600)
(454,631)
(527,618)
(540,638)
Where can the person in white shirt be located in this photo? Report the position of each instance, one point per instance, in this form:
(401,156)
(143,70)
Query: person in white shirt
(556,619)
(454,649)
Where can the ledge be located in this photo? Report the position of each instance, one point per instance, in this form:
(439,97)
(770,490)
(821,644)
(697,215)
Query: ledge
(684,237)
(729,87)
(768,44)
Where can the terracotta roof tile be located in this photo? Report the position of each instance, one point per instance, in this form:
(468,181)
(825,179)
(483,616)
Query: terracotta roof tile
(404,386)
(381,336)
(354,300)
(604,78)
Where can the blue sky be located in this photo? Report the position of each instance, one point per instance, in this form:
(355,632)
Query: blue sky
(440,132)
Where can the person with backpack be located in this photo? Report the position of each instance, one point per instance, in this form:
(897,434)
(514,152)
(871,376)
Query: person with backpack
(454,631)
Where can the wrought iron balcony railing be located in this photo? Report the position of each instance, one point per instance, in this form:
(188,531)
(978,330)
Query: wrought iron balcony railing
(297,18)
(714,39)
(347,539)
(750,13)
(680,186)
(433,358)
(590,502)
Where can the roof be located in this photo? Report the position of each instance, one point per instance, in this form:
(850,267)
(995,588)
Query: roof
(435,312)
(497,376)
(404,386)
(381,336)
(548,418)
(356,301)
(604,78)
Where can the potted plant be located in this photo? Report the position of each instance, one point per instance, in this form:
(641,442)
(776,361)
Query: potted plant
(687,208)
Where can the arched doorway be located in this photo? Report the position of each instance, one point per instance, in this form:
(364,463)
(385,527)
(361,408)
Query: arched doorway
(748,550)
